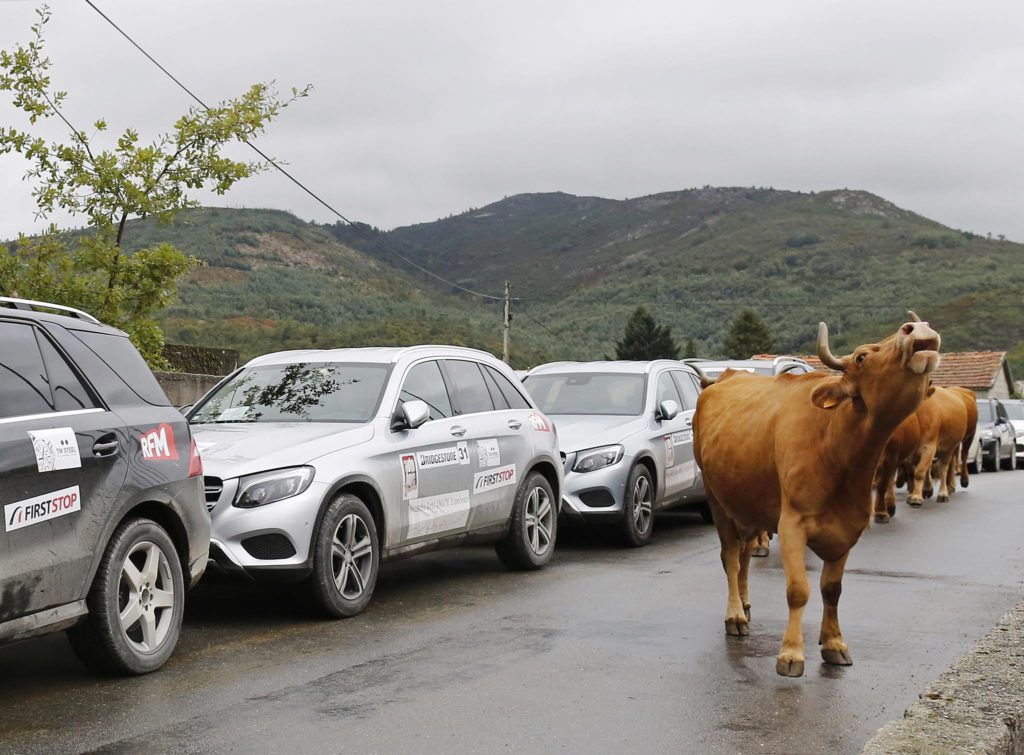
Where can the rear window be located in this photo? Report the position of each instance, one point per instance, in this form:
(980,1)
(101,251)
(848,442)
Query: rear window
(121,356)
(588,393)
(1015,411)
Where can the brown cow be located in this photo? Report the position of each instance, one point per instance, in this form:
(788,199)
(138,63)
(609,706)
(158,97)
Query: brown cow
(943,421)
(970,400)
(795,454)
(901,450)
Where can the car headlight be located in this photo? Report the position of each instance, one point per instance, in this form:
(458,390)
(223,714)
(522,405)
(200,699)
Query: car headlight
(268,487)
(597,458)
(987,434)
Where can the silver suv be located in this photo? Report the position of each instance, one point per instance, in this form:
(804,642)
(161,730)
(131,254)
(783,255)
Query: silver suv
(774,366)
(321,463)
(625,430)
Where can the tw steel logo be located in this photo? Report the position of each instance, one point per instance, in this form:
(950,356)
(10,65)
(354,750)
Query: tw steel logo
(158,444)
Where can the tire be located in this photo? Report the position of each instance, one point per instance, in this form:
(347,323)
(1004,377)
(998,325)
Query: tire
(533,528)
(141,571)
(974,465)
(991,466)
(704,509)
(346,558)
(638,508)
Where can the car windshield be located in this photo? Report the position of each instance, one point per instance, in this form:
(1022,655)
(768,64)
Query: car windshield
(588,393)
(300,392)
(985,412)
(714,372)
(1015,411)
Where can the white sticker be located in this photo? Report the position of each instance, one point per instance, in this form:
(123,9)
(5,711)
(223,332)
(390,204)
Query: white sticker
(41,508)
(233,413)
(487,452)
(438,513)
(685,472)
(55,449)
(443,457)
(497,478)
(682,437)
(670,451)
(410,477)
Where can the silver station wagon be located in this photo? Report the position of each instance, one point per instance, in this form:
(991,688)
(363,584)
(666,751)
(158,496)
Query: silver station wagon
(625,429)
(322,463)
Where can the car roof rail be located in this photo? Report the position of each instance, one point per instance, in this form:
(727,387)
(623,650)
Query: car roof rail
(32,305)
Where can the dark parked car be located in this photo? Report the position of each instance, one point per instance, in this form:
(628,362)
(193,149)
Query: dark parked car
(104,521)
(998,438)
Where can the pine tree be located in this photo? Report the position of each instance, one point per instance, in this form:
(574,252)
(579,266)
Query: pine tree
(690,352)
(748,335)
(644,339)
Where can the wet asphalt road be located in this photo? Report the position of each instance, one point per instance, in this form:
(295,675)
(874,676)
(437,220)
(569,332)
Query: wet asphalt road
(608,650)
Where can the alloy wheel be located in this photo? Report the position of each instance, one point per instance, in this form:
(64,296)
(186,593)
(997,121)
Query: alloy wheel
(145,603)
(642,504)
(351,556)
(539,516)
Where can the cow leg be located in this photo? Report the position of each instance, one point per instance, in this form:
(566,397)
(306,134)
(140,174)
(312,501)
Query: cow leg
(793,546)
(965,448)
(736,622)
(883,485)
(943,474)
(833,649)
(921,470)
(760,545)
(742,578)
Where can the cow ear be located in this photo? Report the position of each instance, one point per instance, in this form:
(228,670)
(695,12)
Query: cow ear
(830,393)
(930,392)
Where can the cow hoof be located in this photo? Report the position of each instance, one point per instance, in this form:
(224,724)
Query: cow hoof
(736,628)
(760,551)
(915,502)
(882,518)
(943,499)
(964,482)
(746,610)
(789,668)
(836,657)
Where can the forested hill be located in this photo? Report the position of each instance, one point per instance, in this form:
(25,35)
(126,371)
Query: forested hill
(693,257)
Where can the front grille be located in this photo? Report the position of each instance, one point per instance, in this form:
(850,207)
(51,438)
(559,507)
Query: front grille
(269,547)
(213,487)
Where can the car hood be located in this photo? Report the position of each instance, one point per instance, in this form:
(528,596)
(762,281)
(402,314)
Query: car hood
(579,431)
(240,448)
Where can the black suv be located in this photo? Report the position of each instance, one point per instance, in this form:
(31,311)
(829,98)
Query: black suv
(104,520)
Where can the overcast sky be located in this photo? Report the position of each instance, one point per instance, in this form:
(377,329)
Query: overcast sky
(422,109)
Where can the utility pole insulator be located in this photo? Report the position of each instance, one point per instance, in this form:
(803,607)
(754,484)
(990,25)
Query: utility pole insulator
(506,322)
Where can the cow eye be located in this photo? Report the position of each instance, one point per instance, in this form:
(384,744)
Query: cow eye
(861,358)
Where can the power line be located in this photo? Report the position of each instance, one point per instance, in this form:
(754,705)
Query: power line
(359,227)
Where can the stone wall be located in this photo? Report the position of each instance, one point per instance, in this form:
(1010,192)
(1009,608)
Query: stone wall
(185,387)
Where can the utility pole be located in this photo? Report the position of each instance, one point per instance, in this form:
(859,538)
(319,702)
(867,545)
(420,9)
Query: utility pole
(506,322)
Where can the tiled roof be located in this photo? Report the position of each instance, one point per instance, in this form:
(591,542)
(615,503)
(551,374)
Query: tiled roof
(977,370)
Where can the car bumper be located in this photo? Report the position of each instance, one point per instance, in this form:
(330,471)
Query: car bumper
(594,495)
(265,541)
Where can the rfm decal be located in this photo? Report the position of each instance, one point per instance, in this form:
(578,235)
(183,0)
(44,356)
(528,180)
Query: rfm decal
(158,444)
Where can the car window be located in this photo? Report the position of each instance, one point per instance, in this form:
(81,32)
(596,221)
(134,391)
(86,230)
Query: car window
(68,392)
(123,359)
(1014,411)
(1001,411)
(23,386)
(496,396)
(687,388)
(512,395)
(471,394)
(424,383)
(667,390)
(588,393)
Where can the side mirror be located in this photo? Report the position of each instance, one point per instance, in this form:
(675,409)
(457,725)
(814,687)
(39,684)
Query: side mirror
(411,415)
(667,410)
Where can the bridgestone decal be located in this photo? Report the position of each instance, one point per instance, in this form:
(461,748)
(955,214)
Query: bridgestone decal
(42,508)
(443,457)
(496,478)
(438,513)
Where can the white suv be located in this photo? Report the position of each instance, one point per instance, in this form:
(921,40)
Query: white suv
(320,463)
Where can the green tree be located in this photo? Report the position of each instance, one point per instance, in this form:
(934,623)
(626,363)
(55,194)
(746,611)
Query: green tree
(690,352)
(110,181)
(645,339)
(748,335)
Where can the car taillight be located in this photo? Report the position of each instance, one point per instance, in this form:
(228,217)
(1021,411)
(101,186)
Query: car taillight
(195,462)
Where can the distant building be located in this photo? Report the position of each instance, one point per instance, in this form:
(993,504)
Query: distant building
(987,373)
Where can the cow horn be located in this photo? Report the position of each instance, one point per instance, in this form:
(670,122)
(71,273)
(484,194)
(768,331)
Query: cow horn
(913,316)
(824,353)
(705,381)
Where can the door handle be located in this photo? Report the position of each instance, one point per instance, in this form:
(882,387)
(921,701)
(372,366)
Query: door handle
(688,421)
(105,448)
(515,424)
(458,430)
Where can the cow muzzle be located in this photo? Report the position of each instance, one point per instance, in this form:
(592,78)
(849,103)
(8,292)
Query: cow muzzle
(920,345)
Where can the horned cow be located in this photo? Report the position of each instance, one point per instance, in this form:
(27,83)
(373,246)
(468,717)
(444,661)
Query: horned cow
(795,454)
